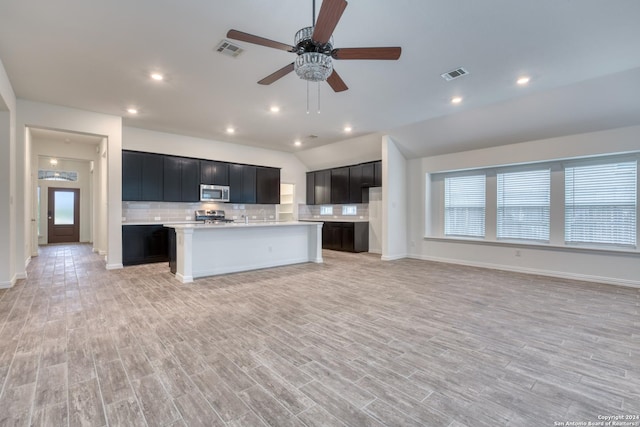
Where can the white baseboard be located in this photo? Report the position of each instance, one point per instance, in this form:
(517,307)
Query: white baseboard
(184,279)
(392,257)
(114,266)
(101,252)
(21,275)
(27,261)
(8,283)
(548,273)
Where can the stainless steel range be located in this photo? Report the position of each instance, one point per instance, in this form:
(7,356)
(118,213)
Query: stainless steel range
(211,216)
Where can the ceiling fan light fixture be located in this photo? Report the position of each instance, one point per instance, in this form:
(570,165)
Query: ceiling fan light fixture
(313,62)
(313,66)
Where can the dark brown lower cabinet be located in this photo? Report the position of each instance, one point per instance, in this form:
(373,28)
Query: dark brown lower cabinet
(144,244)
(346,236)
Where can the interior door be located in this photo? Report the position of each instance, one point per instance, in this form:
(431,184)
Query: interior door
(63,215)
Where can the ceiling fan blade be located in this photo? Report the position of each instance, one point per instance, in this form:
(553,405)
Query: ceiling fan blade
(277,75)
(328,17)
(250,38)
(336,82)
(390,53)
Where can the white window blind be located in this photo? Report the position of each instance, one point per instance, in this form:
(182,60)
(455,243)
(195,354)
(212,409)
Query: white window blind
(600,203)
(464,205)
(523,205)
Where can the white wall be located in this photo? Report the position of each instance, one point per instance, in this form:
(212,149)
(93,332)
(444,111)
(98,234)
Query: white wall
(394,201)
(292,170)
(347,152)
(424,207)
(8,273)
(55,117)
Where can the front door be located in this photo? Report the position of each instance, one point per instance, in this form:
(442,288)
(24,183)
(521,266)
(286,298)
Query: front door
(64,215)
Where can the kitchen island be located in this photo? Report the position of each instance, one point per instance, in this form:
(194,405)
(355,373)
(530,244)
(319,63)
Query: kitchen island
(210,249)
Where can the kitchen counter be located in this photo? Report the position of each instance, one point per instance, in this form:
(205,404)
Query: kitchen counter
(165,223)
(210,249)
(243,224)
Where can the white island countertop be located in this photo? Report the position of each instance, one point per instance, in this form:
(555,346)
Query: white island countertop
(242,224)
(210,249)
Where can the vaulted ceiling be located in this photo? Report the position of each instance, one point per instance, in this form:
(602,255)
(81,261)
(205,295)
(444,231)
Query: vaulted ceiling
(581,56)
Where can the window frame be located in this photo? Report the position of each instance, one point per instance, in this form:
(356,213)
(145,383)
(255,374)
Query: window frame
(513,170)
(444,204)
(435,209)
(601,161)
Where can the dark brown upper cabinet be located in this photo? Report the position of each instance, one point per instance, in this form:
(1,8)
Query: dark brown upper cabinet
(267,185)
(214,173)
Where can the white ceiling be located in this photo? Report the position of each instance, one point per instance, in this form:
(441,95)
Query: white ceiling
(582,56)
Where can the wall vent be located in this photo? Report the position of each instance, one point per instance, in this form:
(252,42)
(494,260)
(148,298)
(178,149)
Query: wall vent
(454,74)
(225,47)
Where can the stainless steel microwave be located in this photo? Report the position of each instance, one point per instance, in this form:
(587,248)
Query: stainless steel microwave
(214,193)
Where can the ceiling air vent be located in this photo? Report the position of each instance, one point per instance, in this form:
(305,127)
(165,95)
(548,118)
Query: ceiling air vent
(454,74)
(225,47)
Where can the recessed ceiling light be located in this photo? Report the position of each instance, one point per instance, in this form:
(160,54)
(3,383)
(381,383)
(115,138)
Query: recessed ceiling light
(347,129)
(230,130)
(456,100)
(523,80)
(157,76)
(274,109)
(132,111)
(297,143)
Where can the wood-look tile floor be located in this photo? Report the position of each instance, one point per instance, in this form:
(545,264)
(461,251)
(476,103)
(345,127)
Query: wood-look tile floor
(354,341)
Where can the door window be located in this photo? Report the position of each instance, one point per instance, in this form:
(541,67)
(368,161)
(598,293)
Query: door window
(64,205)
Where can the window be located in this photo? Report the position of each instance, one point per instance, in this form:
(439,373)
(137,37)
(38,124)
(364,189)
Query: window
(523,205)
(464,205)
(54,175)
(600,203)
(349,210)
(326,210)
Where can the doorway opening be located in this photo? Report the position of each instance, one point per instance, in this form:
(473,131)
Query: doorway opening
(68,188)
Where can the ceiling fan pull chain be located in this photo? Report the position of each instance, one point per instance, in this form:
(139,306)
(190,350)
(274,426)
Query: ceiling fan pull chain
(313,14)
(307,96)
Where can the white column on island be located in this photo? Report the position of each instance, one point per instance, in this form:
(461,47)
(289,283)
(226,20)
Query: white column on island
(184,254)
(315,244)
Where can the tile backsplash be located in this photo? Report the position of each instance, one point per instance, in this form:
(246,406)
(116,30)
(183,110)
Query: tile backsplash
(164,212)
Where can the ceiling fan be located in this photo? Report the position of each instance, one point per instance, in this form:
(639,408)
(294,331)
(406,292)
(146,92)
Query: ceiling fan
(314,47)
